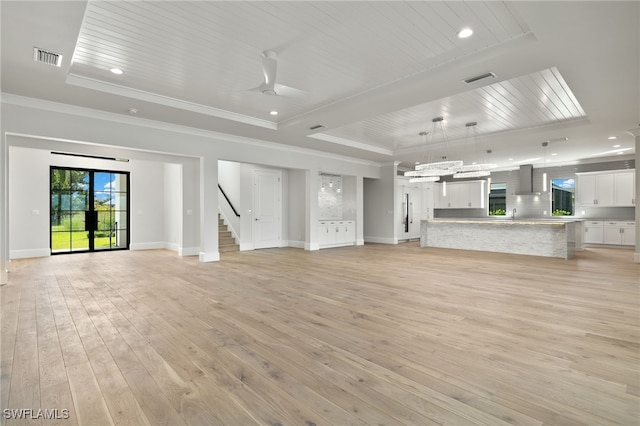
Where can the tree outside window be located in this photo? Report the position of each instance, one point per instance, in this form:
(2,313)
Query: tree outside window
(563,197)
(498,199)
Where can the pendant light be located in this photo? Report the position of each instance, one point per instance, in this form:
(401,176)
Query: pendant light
(544,166)
(477,169)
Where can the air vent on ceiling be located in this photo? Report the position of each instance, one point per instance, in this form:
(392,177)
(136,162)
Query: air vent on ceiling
(477,78)
(46,57)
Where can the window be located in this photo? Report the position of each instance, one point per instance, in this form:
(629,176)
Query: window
(498,199)
(563,196)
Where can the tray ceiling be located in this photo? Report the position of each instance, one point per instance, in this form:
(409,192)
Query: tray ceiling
(373,73)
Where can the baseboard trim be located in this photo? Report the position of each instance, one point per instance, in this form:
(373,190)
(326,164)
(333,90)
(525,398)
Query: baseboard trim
(188,251)
(311,247)
(360,242)
(211,256)
(25,254)
(297,244)
(148,246)
(636,257)
(380,240)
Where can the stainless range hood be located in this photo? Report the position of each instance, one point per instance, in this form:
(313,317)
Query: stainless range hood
(525,176)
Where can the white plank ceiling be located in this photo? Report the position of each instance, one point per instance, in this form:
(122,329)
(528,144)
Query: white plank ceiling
(374,73)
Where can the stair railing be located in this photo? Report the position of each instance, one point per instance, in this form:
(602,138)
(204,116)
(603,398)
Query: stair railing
(228,201)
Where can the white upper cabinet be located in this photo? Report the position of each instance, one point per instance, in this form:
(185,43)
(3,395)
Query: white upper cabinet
(625,189)
(606,189)
(462,195)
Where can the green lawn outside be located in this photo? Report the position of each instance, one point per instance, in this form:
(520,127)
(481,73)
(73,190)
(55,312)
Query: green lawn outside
(63,240)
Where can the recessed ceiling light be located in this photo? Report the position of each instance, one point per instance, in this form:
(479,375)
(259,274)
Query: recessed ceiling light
(274,113)
(620,153)
(554,153)
(617,146)
(465,32)
(116,71)
(510,159)
(612,138)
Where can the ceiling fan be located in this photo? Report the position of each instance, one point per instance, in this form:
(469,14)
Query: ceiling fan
(269,85)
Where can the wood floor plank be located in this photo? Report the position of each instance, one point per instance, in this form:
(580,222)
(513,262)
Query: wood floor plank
(376,334)
(90,405)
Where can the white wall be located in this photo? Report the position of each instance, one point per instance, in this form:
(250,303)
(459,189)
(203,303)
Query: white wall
(173,206)
(380,206)
(297,208)
(106,133)
(229,180)
(29,209)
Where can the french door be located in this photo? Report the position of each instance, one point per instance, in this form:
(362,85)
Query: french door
(89,210)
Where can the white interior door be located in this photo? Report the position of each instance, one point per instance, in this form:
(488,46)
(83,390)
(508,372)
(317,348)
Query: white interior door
(266,208)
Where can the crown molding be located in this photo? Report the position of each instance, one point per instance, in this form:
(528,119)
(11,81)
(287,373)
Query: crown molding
(41,104)
(141,95)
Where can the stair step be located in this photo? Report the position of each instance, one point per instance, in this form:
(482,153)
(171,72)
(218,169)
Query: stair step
(226,241)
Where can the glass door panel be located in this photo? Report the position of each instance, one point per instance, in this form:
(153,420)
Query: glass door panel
(69,202)
(88,210)
(110,203)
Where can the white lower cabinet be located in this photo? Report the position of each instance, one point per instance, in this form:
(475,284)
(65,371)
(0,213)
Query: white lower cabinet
(620,233)
(594,232)
(615,233)
(336,233)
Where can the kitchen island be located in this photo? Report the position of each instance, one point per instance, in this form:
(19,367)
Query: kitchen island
(531,237)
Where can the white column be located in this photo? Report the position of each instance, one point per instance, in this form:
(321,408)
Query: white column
(636,133)
(4,209)
(360,210)
(209,209)
(312,209)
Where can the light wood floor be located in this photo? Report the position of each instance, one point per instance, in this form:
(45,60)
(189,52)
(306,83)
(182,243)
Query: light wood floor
(370,335)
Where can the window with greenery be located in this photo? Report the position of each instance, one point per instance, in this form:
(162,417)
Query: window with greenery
(563,197)
(498,199)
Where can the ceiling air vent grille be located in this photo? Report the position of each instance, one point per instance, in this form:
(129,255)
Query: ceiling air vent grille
(46,57)
(477,78)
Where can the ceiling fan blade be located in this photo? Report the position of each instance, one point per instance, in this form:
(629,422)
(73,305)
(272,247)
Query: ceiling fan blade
(269,69)
(291,92)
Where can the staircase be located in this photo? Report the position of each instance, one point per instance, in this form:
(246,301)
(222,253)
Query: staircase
(226,242)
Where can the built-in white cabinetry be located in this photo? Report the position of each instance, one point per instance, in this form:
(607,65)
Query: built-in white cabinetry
(336,233)
(594,232)
(620,233)
(461,195)
(625,188)
(606,189)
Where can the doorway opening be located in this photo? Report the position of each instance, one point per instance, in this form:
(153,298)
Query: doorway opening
(89,210)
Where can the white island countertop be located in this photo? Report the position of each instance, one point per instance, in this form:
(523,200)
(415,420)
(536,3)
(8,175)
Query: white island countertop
(545,237)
